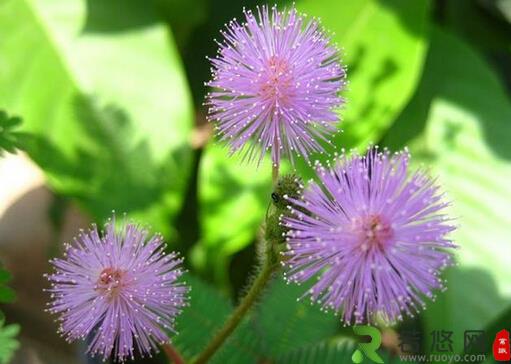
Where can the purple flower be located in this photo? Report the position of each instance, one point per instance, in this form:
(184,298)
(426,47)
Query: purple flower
(276,81)
(119,290)
(375,238)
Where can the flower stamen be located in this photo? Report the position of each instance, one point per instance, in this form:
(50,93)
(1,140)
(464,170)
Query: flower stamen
(111,282)
(373,231)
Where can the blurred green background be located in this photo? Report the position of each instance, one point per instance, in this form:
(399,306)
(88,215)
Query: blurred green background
(109,98)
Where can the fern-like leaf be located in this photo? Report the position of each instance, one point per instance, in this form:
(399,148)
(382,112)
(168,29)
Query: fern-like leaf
(286,324)
(202,319)
(8,342)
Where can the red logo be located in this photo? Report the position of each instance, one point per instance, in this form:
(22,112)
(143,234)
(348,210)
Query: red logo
(501,348)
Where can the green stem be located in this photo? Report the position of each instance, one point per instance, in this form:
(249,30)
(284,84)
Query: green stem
(248,301)
(275,174)
(240,311)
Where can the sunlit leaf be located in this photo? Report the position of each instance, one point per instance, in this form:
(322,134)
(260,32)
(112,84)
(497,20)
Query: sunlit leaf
(107,107)
(459,124)
(233,200)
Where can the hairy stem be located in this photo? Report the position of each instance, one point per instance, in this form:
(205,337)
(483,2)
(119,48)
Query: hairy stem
(275,174)
(250,298)
(238,314)
(172,354)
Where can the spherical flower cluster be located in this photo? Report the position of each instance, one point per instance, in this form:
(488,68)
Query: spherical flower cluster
(119,291)
(374,236)
(276,82)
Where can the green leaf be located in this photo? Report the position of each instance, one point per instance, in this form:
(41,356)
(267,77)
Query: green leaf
(501,8)
(335,351)
(107,107)
(325,353)
(286,324)
(385,43)
(205,314)
(233,200)
(7,294)
(458,123)
(8,342)
(5,276)
(477,25)
(184,16)
(278,329)
(242,347)
(201,320)
(8,136)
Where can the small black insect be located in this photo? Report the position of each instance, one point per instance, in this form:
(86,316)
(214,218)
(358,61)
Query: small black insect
(275,197)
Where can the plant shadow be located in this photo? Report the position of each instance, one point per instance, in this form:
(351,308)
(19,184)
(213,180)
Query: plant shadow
(110,169)
(113,16)
(466,87)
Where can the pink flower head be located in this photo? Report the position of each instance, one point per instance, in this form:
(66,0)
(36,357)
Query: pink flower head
(119,290)
(276,82)
(374,236)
